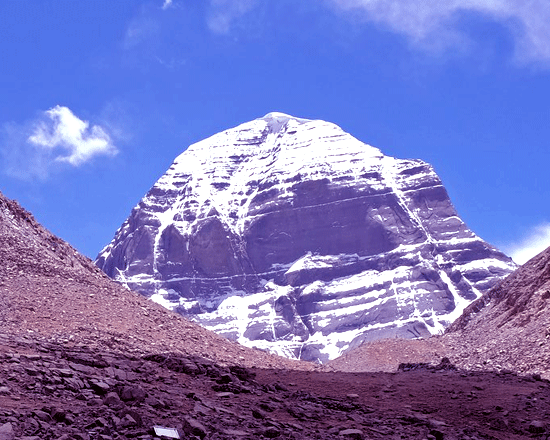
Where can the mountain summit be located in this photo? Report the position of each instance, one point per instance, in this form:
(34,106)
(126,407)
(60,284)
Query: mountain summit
(292,236)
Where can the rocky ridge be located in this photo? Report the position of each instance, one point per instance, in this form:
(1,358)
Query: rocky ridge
(52,293)
(509,327)
(292,236)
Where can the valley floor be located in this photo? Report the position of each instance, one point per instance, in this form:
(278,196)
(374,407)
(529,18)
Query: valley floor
(57,391)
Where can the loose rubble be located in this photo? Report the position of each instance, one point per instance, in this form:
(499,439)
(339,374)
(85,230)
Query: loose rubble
(50,391)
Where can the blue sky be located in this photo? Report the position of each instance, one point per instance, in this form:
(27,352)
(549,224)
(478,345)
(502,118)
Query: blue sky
(99,97)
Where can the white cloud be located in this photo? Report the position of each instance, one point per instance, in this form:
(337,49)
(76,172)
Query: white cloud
(224,12)
(34,149)
(434,23)
(534,242)
(65,131)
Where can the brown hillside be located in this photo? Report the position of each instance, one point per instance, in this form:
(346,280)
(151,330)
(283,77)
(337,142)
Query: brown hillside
(509,327)
(49,291)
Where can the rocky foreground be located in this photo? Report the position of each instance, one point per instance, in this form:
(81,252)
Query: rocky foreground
(82,358)
(61,391)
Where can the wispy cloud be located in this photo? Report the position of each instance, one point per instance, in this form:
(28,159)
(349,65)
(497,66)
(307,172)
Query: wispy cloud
(223,13)
(436,23)
(142,29)
(167,4)
(33,149)
(535,241)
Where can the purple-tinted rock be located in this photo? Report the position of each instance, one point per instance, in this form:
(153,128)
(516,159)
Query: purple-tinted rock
(290,235)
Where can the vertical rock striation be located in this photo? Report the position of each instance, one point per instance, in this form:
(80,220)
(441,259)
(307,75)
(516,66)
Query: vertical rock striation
(292,236)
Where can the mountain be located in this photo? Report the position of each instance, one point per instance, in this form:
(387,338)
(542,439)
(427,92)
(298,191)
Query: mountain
(49,293)
(292,236)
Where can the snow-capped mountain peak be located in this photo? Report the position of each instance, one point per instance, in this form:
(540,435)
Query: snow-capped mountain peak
(291,235)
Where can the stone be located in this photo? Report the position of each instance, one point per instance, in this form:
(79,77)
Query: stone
(95,402)
(127,421)
(6,432)
(257,414)
(537,427)
(437,434)
(82,368)
(236,433)
(154,402)
(42,415)
(225,378)
(65,372)
(267,406)
(356,434)
(73,383)
(100,387)
(133,414)
(134,393)
(31,426)
(58,415)
(48,389)
(113,400)
(271,432)
(194,427)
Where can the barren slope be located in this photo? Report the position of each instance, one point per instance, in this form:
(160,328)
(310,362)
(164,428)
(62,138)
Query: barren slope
(509,327)
(48,291)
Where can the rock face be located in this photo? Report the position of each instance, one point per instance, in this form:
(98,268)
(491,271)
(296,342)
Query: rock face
(292,236)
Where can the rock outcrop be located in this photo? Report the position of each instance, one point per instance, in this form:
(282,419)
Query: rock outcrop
(292,236)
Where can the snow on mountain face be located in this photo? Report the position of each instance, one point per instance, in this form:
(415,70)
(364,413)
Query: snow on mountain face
(292,236)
